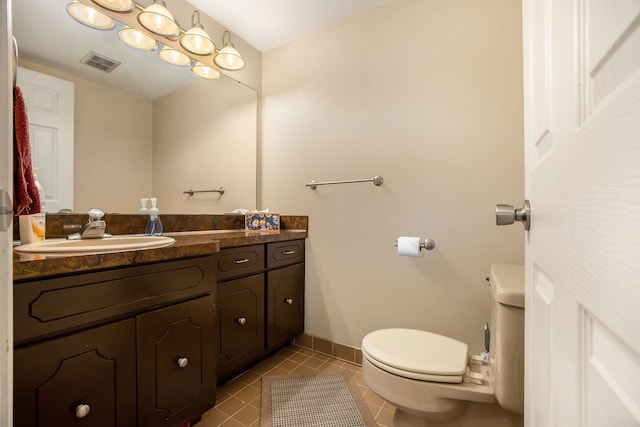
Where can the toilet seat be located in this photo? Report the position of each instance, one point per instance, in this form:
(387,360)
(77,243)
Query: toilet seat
(416,354)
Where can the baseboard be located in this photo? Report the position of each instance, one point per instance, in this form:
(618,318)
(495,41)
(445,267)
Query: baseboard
(330,348)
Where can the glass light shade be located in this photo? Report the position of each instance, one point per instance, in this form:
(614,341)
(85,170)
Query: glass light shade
(122,6)
(197,41)
(174,57)
(201,70)
(137,39)
(89,16)
(229,59)
(157,19)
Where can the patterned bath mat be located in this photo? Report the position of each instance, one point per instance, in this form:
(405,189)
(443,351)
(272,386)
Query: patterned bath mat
(323,400)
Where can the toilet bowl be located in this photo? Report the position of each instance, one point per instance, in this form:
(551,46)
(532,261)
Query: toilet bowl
(430,378)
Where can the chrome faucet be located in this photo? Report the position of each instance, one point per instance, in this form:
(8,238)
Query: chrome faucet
(94,229)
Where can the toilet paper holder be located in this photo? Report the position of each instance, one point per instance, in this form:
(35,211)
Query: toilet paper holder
(426,244)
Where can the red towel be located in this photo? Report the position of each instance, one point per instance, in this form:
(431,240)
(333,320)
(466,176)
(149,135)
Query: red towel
(26,199)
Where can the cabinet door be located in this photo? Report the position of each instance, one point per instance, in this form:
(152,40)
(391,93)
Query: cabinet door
(240,322)
(85,379)
(285,304)
(176,362)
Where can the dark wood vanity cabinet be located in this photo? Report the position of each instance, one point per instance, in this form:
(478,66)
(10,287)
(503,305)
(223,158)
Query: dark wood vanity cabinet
(176,362)
(84,379)
(258,312)
(241,322)
(285,304)
(133,346)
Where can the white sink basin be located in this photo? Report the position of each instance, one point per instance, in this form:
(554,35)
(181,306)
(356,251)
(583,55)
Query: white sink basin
(109,244)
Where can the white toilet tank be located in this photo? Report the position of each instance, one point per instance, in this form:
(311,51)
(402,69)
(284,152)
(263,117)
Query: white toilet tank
(507,335)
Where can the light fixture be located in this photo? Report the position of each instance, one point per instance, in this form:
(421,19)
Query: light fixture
(174,57)
(89,16)
(157,19)
(152,27)
(201,70)
(137,39)
(121,6)
(196,40)
(228,57)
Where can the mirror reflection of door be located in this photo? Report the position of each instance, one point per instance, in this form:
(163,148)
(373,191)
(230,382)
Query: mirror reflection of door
(50,111)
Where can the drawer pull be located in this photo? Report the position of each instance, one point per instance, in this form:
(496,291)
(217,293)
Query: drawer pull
(183,362)
(240,261)
(82,410)
(289,301)
(242,321)
(288,252)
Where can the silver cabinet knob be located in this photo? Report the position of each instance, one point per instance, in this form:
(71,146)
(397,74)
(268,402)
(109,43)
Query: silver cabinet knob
(82,410)
(506,215)
(183,362)
(289,301)
(241,261)
(242,321)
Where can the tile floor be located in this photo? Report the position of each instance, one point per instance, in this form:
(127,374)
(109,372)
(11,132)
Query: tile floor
(239,400)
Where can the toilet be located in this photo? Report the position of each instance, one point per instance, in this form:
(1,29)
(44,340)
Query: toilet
(430,378)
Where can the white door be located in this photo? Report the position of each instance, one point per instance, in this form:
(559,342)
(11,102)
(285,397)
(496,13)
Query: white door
(50,110)
(582,168)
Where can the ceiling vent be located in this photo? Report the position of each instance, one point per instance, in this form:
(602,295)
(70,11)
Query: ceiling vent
(100,62)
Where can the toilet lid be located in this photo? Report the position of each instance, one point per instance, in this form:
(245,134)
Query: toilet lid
(417,354)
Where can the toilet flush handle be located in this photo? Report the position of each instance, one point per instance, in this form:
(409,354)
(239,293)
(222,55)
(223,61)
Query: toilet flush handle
(487,340)
(506,215)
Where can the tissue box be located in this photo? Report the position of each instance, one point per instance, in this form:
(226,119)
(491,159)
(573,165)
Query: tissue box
(262,222)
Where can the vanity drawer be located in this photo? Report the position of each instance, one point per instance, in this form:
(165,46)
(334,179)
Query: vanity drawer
(242,261)
(285,253)
(53,306)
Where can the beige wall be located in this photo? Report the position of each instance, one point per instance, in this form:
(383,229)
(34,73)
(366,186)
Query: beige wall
(204,137)
(428,94)
(112,145)
(113,148)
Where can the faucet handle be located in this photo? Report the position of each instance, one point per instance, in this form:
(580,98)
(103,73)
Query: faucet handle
(95,214)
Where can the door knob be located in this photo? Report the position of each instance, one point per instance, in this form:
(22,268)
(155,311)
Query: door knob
(506,214)
(6,211)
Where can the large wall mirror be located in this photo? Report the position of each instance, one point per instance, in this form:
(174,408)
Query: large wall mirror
(144,129)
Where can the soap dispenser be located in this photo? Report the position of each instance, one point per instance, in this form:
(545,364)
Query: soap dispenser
(143,206)
(154,226)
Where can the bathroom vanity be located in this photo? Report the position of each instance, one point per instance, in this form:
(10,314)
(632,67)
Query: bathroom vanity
(141,338)
(97,343)
(260,302)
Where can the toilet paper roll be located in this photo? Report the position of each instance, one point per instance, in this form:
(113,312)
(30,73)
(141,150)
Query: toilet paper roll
(409,246)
